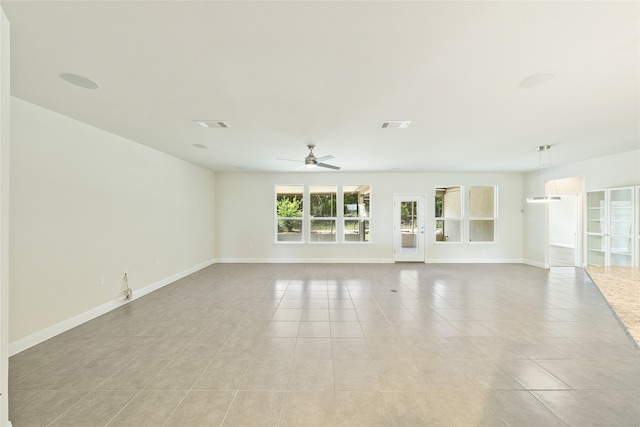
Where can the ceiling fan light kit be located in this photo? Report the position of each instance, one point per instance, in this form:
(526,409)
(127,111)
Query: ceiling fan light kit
(545,199)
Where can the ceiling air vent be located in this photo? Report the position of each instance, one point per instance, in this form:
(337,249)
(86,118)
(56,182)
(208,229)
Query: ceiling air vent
(396,124)
(211,123)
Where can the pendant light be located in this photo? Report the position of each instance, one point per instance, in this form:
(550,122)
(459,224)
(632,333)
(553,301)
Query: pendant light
(544,199)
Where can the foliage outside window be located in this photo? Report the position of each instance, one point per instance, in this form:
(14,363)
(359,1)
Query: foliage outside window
(409,225)
(482,213)
(289,212)
(448,214)
(322,213)
(356,212)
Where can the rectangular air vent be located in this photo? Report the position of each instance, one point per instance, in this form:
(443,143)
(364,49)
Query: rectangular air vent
(396,124)
(211,123)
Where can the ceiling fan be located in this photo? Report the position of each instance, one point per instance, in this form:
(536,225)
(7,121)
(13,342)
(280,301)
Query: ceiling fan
(311,161)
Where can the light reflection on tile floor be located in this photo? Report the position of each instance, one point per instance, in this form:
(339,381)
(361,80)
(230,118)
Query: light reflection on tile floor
(331,345)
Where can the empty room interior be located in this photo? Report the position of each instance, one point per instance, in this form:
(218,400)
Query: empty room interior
(319,213)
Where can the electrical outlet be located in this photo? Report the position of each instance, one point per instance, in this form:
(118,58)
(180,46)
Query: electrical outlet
(157,263)
(103,280)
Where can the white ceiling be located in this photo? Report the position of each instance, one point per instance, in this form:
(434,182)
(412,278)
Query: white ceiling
(285,74)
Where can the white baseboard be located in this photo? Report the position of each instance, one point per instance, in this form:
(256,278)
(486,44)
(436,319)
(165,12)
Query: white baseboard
(535,264)
(563,245)
(473,261)
(304,260)
(50,332)
(364,261)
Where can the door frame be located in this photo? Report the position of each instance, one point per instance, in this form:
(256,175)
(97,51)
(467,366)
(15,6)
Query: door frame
(420,255)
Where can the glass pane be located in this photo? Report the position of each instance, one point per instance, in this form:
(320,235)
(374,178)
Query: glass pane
(322,201)
(595,226)
(621,259)
(356,230)
(356,200)
(323,230)
(481,230)
(408,224)
(595,257)
(289,200)
(621,245)
(290,230)
(448,202)
(621,225)
(482,202)
(595,199)
(449,230)
(289,213)
(595,243)
(595,212)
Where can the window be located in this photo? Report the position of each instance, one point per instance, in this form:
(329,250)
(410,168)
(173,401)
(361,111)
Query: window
(315,212)
(448,214)
(289,209)
(322,213)
(482,213)
(356,211)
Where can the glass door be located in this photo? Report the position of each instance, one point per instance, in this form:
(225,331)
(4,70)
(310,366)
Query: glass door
(621,226)
(596,227)
(408,228)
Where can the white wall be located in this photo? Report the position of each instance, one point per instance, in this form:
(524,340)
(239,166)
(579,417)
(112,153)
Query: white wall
(562,222)
(4,216)
(245,217)
(604,172)
(86,203)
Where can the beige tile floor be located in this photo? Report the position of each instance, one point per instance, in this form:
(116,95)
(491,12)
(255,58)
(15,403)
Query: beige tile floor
(341,345)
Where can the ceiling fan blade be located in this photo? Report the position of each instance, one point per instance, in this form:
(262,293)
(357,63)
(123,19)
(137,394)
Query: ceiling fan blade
(324,165)
(323,158)
(291,160)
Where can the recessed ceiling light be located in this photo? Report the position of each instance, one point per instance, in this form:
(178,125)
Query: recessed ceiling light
(200,146)
(396,124)
(536,80)
(79,81)
(211,123)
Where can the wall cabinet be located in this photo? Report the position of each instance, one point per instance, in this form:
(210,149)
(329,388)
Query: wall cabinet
(611,222)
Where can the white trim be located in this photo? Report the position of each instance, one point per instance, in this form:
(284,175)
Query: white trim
(60,327)
(304,260)
(563,245)
(474,261)
(535,263)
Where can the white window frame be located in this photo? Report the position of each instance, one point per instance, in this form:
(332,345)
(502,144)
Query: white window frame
(311,218)
(366,218)
(461,218)
(494,218)
(277,218)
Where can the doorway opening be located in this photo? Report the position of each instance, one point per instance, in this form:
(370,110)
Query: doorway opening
(564,235)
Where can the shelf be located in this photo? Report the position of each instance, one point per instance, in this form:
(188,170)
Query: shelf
(611,219)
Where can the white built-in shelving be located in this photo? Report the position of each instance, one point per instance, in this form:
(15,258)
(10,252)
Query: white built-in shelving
(611,222)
